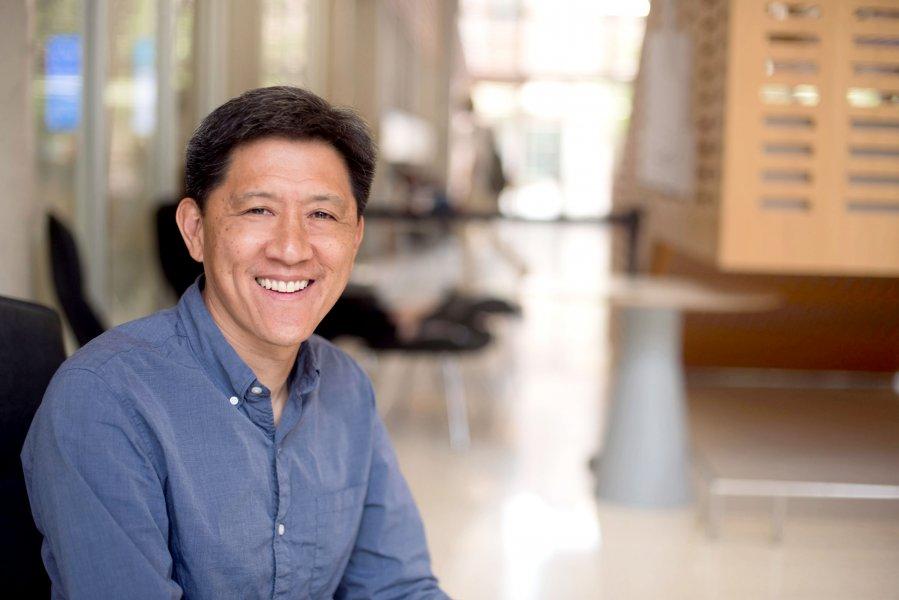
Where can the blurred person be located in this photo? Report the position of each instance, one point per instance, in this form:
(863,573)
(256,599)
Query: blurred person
(219,449)
(477,178)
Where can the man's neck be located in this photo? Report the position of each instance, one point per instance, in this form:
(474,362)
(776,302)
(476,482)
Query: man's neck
(271,364)
(272,368)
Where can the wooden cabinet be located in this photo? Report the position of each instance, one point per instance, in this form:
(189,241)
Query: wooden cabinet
(795,115)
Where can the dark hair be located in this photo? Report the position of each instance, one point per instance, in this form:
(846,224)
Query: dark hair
(277,112)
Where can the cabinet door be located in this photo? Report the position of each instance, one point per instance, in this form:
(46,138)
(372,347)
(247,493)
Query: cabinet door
(811,154)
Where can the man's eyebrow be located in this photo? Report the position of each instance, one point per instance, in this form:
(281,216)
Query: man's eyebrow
(235,197)
(328,198)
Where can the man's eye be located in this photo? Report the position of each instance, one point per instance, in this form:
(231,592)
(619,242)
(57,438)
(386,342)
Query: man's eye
(320,214)
(258,211)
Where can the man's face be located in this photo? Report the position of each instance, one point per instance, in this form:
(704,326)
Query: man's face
(277,239)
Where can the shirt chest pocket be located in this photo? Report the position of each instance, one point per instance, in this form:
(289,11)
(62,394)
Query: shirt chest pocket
(338,515)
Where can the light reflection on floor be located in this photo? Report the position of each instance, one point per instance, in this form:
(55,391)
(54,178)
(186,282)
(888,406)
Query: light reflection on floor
(534,533)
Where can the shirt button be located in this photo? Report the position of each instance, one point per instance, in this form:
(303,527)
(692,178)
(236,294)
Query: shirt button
(256,390)
(233,400)
(280,528)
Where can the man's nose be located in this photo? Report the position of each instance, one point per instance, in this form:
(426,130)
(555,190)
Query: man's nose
(290,243)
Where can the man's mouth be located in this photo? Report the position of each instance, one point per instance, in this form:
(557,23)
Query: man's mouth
(285,287)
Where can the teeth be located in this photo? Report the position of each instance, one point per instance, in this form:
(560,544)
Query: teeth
(283,286)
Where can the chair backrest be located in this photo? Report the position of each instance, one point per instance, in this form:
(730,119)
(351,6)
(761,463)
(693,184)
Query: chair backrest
(359,314)
(68,284)
(31,350)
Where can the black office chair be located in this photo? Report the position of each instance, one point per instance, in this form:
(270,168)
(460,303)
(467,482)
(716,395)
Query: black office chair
(358,314)
(68,283)
(31,350)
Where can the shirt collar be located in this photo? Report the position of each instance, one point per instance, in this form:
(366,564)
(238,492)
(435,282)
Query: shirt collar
(219,358)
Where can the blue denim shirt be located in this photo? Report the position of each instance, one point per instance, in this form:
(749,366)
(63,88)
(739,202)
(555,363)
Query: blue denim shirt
(155,470)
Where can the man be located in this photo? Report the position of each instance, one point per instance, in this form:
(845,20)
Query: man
(219,449)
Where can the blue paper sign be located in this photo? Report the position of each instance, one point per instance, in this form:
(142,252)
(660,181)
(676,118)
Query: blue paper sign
(62,82)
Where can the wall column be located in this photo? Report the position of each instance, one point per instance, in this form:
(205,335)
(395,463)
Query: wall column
(19,224)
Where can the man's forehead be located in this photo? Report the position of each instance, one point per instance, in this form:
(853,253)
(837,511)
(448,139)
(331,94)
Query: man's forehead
(237,196)
(275,141)
(274,158)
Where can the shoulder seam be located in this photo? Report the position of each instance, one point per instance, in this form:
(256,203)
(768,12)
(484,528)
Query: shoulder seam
(113,355)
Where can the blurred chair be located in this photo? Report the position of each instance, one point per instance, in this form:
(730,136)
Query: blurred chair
(68,283)
(358,314)
(464,308)
(31,350)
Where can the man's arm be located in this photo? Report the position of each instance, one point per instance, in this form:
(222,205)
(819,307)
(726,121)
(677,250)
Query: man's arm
(95,495)
(390,558)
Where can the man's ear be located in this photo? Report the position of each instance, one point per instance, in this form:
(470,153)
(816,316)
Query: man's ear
(190,222)
(360,230)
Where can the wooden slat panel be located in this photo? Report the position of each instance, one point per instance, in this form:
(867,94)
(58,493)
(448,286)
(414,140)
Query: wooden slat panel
(861,207)
(784,189)
(873,135)
(785,162)
(870,53)
(799,137)
(786,110)
(879,112)
(872,193)
(778,234)
(883,165)
(785,52)
(880,27)
(794,79)
(792,25)
(790,226)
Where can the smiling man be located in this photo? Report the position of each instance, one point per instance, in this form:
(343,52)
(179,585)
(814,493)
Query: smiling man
(219,449)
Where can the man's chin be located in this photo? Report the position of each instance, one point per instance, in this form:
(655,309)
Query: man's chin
(286,337)
(287,341)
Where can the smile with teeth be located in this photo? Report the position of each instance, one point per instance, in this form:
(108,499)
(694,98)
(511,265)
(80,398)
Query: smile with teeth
(282,286)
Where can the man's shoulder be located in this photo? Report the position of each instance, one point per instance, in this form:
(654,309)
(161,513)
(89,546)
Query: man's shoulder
(132,341)
(87,401)
(91,386)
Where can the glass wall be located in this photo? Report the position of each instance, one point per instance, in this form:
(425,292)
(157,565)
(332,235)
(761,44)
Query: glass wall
(131,97)
(558,111)
(144,120)
(284,42)
(57,85)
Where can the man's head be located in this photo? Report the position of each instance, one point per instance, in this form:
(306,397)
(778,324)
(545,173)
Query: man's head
(276,181)
(284,112)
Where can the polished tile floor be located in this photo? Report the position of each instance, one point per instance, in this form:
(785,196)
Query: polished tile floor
(514,517)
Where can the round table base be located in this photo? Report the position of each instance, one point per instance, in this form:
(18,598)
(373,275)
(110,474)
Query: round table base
(644,458)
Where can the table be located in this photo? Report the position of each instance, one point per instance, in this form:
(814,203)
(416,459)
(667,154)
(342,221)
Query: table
(644,459)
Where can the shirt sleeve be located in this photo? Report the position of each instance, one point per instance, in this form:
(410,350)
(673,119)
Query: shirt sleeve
(390,558)
(95,495)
